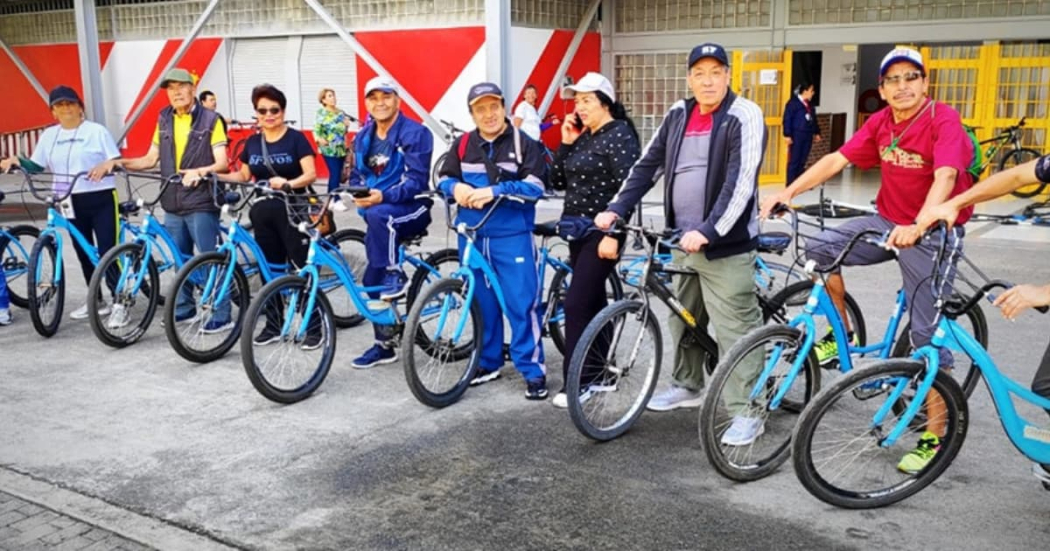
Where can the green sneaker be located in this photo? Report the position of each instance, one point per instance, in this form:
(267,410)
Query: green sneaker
(917,459)
(828,350)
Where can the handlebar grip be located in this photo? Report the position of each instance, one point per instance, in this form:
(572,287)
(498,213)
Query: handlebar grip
(1042,309)
(2,196)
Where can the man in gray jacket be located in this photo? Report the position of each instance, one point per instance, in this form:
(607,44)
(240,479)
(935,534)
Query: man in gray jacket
(709,150)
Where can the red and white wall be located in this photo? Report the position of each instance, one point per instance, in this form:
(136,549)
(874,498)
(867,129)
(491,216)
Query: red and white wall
(454,60)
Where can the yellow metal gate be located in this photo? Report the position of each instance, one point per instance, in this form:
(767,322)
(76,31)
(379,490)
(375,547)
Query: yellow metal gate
(764,77)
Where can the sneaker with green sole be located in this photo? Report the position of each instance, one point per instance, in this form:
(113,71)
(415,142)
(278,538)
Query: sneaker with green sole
(917,459)
(828,350)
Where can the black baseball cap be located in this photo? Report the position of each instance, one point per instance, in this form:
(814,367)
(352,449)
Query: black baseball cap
(708,49)
(64,93)
(482,90)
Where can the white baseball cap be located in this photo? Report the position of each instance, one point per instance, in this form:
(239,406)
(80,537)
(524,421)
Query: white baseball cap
(381,83)
(902,54)
(591,82)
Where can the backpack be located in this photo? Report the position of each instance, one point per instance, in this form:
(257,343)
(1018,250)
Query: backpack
(977,166)
(490,167)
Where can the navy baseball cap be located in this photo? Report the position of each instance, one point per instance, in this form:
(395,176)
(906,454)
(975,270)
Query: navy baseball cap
(708,49)
(484,89)
(64,93)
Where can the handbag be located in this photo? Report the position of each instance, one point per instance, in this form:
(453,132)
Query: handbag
(573,228)
(324,218)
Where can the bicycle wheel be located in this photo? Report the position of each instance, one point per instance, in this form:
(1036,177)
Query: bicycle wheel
(614,369)
(438,372)
(47,287)
(840,454)
(135,282)
(773,277)
(1020,157)
(351,245)
(285,361)
(788,303)
(554,309)
(736,390)
(444,262)
(204,318)
(434,178)
(965,372)
(15,247)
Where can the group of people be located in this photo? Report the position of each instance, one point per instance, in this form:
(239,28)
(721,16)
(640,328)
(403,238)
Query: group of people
(708,150)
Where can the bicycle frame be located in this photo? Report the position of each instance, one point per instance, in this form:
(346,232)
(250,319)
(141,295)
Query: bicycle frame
(57,222)
(148,234)
(12,241)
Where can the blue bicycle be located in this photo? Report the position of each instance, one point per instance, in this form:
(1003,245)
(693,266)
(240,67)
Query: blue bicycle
(780,367)
(134,272)
(851,438)
(15,244)
(47,283)
(289,342)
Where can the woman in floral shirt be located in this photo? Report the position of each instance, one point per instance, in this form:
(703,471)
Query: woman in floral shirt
(330,127)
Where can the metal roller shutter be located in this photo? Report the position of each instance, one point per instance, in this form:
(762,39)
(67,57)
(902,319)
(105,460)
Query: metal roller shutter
(255,61)
(326,62)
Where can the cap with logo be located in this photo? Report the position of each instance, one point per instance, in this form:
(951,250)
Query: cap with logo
(483,90)
(902,54)
(381,83)
(64,93)
(708,49)
(591,82)
(177,75)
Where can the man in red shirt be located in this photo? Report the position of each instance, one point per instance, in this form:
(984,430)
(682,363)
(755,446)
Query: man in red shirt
(924,154)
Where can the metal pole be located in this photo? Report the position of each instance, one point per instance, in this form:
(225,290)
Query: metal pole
(25,71)
(497,47)
(152,90)
(90,67)
(372,62)
(555,87)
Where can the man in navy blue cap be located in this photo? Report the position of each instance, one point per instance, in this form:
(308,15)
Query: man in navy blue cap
(494,160)
(709,150)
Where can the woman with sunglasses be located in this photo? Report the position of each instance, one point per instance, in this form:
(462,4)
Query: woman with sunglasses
(74,146)
(282,156)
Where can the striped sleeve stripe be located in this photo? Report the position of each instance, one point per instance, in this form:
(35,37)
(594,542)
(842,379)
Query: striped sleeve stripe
(752,129)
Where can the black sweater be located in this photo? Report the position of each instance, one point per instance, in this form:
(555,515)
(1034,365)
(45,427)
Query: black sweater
(593,167)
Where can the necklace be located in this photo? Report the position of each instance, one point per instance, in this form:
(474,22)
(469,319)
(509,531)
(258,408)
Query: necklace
(894,140)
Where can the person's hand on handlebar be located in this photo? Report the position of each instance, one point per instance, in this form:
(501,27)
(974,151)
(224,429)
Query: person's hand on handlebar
(191,177)
(930,216)
(692,241)
(903,237)
(605,220)
(9,162)
(480,197)
(373,198)
(1016,299)
(769,204)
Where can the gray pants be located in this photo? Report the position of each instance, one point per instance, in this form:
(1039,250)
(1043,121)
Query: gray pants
(916,264)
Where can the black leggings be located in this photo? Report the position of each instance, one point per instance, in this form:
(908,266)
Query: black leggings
(279,240)
(95,216)
(586,295)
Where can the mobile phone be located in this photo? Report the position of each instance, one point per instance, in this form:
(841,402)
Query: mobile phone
(359,192)
(577,122)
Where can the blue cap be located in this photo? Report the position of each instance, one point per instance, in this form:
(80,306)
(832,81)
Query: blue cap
(708,49)
(64,93)
(483,89)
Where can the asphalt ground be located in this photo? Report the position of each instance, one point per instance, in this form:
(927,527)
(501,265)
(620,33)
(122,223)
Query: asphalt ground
(363,465)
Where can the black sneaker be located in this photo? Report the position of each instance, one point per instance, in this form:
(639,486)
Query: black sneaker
(536,389)
(312,341)
(267,336)
(482,377)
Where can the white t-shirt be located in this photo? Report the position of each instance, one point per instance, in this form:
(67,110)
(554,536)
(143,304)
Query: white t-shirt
(530,118)
(68,152)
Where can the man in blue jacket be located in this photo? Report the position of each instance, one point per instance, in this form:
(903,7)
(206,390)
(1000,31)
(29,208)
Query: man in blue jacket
(709,150)
(391,157)
(495,160)
(800,129)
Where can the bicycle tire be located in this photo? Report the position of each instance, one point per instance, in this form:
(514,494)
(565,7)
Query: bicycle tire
(434,176)
(44,294)
(459,377)
(556,294)
(423,277)
(344,310)
(188,338)
(763,456)
(116,262)
(780,303)
(1019,157)
(595,338)
(266,385)
(846,387)
(16,265)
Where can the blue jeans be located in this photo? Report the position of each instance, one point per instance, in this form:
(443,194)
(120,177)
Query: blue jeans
(200,229)
(335,170)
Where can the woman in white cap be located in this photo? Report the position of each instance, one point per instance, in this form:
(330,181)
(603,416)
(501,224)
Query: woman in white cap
(71,147)
(599,144)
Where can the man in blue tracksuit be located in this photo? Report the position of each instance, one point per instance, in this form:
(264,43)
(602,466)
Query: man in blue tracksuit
(800,129)
(391,157)
(491,161)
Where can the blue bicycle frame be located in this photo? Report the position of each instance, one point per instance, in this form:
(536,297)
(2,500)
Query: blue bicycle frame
(152,235)
(57,222)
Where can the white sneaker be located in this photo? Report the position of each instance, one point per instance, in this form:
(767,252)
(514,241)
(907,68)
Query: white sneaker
(119,317)
(561,399)
(743,431)
(82,313)
(339,206)
(5,316)
(675,397)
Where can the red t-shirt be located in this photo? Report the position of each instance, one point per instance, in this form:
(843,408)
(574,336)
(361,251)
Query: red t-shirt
(936,139)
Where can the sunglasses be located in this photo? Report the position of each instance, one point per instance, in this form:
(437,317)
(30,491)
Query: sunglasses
(910,76)
(270,111)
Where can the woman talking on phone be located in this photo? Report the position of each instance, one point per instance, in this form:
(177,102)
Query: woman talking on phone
(599,144)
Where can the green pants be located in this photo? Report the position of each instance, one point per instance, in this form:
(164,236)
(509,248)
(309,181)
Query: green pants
(724,295)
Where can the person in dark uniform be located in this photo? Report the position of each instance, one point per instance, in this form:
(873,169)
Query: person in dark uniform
(800,129)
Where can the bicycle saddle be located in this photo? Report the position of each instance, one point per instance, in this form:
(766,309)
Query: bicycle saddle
(413,240)
(773,242)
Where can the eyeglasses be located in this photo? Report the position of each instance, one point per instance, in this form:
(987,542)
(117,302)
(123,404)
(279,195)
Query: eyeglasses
(910,76)
(270,111)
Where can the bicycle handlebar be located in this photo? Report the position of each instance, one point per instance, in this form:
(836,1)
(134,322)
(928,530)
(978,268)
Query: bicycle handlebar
(811,266)
(451,126)
(491,208)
